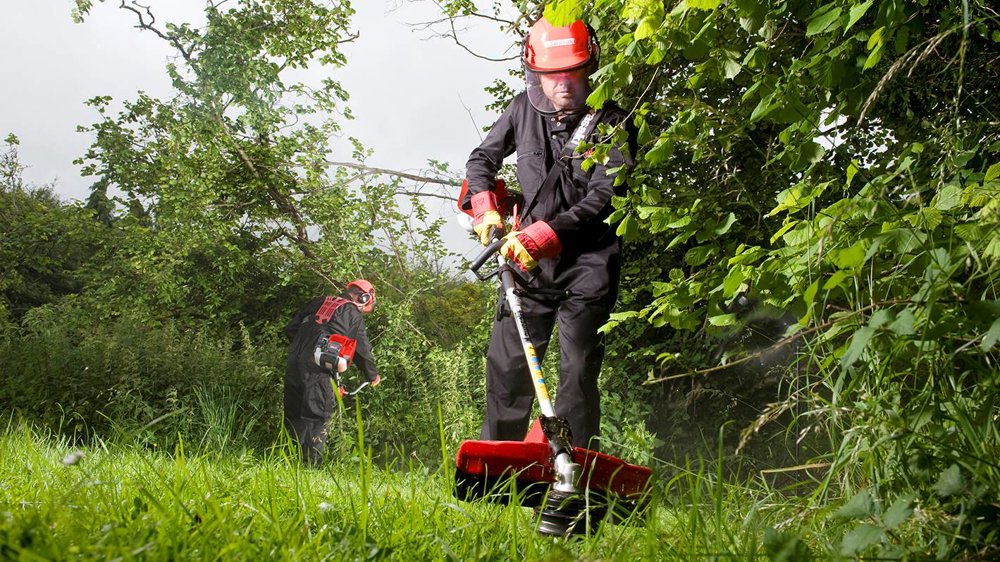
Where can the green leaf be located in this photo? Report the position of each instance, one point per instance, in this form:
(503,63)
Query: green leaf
(836,280)
(723,320)
(993,173)
(849,258)
(881,317)
(781,231)
(950,482)
(628,228)
(991,336)
(822,20)
(806,154)
(898,512)
(927,218)
(731,68)
(699,254)
(797,197)
(874,57)
(616,216)
(663,149)
(615,319)
(764,107)
(904,323)
(852,170)
(600,94)
(857,12)
(859,507)
(734,280)
(680,239)
(810,294)
(647,27)
(948,198)
(861,538)
(703,4)
(859,341)
(725,225)
(970,232)
(563,12)
(679,223)
(876,39)
(645,134)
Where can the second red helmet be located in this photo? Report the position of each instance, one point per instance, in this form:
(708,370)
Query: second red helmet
(367,293)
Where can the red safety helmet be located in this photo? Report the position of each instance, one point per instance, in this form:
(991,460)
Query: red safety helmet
(367,298)
(563,58)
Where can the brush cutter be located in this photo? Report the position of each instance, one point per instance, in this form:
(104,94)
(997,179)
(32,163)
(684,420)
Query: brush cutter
(572,487)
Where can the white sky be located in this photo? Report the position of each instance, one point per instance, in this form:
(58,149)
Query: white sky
(413,97)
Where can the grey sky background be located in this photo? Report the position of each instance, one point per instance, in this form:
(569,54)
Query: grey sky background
(414,97)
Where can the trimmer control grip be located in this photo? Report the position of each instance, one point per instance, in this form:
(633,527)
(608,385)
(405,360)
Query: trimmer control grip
(483,257)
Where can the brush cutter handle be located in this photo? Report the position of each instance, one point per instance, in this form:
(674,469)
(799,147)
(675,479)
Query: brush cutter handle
(483,257)
(344,392)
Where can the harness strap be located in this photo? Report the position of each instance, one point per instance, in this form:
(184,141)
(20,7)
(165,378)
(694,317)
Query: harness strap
(580,134)
(329,306)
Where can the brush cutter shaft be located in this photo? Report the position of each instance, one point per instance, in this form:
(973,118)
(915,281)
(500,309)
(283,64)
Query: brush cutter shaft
(534,365)
(567,471)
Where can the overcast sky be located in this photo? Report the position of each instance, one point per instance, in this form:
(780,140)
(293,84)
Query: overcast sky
(413,97)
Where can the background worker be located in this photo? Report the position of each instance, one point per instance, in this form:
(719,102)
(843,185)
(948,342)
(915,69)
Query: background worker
(562,235)
(326,335)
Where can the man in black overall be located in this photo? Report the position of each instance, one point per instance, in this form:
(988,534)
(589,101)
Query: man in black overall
(563,236)
(326,334)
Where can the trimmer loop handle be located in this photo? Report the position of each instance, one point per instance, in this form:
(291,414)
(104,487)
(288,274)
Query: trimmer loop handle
(483,257)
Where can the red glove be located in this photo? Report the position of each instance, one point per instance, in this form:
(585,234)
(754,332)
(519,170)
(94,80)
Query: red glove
(525,247)
(485,217)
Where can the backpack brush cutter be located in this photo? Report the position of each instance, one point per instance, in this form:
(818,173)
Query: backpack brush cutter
(572,487)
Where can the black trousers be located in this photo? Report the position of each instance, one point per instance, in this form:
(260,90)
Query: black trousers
(591,284)
(308,405)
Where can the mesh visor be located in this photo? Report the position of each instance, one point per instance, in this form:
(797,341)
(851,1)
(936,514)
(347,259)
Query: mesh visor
(557,92)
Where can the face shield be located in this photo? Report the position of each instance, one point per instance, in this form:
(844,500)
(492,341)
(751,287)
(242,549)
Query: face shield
(558,92)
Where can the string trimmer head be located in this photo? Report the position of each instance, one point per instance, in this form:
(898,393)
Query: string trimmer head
(499,471)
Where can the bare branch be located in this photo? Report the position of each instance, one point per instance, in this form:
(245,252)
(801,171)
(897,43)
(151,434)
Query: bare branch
(454,36)
(147,21)
(422,194)
(505,24)
(471,118)
(368,170)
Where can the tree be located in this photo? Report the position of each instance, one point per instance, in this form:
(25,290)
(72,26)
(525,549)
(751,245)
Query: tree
(44,243)
(226,203)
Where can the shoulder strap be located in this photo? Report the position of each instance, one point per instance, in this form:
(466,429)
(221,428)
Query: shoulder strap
(581,133)
(329,306)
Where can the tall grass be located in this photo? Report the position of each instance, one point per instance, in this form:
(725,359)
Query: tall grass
(122,501)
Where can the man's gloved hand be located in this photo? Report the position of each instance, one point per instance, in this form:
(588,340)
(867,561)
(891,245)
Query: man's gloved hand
(485,217)
(525,247)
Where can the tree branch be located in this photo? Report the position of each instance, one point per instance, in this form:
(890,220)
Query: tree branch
(368,170)
(148,26)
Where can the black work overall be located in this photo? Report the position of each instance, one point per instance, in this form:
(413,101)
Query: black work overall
(586,273)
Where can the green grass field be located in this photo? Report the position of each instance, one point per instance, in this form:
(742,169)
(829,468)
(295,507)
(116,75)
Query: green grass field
(123,502)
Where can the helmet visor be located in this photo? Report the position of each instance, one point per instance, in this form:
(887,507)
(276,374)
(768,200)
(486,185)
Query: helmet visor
(562,91)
